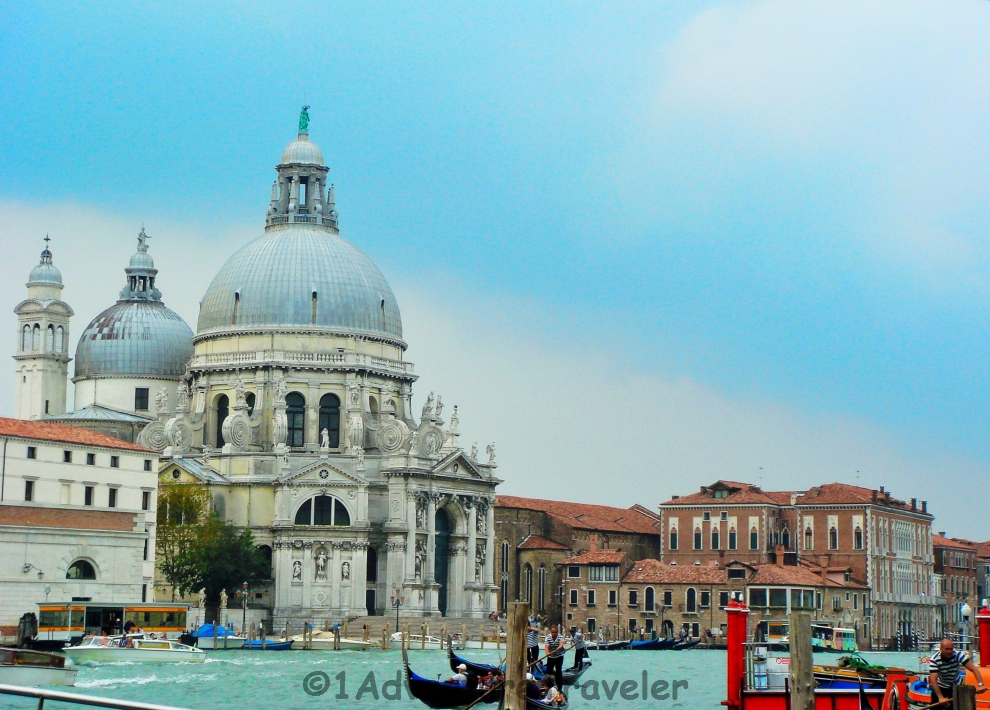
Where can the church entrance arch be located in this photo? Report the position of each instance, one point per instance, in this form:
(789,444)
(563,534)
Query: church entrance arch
(441,558)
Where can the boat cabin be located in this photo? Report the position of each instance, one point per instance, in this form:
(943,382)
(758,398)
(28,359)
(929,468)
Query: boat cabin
(57,622)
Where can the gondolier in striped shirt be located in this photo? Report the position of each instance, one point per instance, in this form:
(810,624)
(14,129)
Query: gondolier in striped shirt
(532,643)
(944,673)
(555,647)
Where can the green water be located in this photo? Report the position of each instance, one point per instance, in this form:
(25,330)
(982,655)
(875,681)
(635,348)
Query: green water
(255,680)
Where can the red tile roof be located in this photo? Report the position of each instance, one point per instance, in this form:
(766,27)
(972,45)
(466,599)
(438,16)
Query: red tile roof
(954,543)
(843,493)
(596,557)
(786,575)
(656,572)
(739,493)
(536,542)
(585,516)
(44,431)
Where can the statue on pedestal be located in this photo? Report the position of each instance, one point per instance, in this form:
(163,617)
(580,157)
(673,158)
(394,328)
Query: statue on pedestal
(201,598)
(223,598)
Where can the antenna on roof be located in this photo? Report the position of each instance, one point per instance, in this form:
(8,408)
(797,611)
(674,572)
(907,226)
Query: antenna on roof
(857,477)
(761,477)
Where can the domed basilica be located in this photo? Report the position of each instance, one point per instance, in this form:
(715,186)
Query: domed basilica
(292,402)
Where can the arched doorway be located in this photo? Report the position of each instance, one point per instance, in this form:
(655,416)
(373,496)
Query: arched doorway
(667,630)
(440,558)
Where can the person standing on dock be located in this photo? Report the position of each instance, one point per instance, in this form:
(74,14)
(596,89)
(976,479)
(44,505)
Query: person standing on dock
(554,648)
(944,673)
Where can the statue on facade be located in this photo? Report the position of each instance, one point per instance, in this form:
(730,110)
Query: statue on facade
(345,570)
(490,450)
(413,438)
(360,459)
(239,392)
(439,405)
(223,598)
(325,439)
(481,521)
(201,598)
(354,392)
(182,397)
(304,120)
(474,451)
(420,515)
(454,421)
(207,452)
(321,564)
(479,561)
(428,406)
(296,569)
(161,401)
(280,390)
(419,559)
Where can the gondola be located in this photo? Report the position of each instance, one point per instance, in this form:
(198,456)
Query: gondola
(610,645)
(681,645)
(657,644)
(479,668)
(437,694)
(570,675)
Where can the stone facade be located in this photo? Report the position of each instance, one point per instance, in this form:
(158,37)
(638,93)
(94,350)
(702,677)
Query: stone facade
(956,577)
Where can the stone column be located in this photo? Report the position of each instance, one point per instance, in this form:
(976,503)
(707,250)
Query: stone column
(490,543)
(431,540)
(411,536)
(472,543)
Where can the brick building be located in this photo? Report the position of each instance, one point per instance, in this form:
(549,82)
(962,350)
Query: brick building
(884,542)
(956,575)
(534,535)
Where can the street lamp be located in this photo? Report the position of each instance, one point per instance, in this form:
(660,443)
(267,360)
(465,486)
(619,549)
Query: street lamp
(966,612)
(243,594)
(397,600)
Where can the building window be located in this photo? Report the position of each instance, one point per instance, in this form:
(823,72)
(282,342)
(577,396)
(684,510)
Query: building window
(295,412)
(706,599)
(723,599)
(754,539)
(527,584)
(88,496)
(706,516)
(809,539)
(612,597)
(591,597)
(26,339)
(648,599)
(833,539)
(858,538)
(778,598)
(574,597)
(673,538)
(732,539)
(611,573)
(785,539)
(724,516)
(715,540)
(592,626)
(147,464)
(633,597)
(649,626)
(66,457)
(632,625)
(222,408)
(145,558)
(145,500)
(32,452)
(59,339)
(691,601)
(573,572)
(90,459)
(697,538)
(250,399)
(81,569)
(758,597)
(36,337)
(140,399)
(541,589)
(112,500)
(323,510)
(668,598)
(855,601)
(114,462)
(28,491)
(596,573)
(736,573)
(330,419)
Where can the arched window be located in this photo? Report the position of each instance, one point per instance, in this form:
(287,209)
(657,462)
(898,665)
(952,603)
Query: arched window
(26,338)
(36,337)
(81,569)
(858,538)
(691,601)
(809,539)
(715,537)
(733,542)
(50,338)
(527,583)
(373,409)
(250,399)
(222,406)
(697,538)
(673,538)
(59,339)
(649,599)
(785,539)
(372,574)
(541,589)
(754,538)
(833,539)
(295,412)
(330,419)
(504,572)
(323,510)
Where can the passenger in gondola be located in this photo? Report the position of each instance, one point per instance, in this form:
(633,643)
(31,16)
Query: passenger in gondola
(461,677)
(549,692)
(532,688)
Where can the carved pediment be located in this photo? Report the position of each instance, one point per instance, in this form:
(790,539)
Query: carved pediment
(457,465)
(322,473)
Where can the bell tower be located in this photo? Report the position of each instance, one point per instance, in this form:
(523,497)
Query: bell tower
(42,343)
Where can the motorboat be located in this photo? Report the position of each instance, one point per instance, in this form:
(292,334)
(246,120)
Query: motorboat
(324,641)
(853,671)
(135,648)
(27,667)
(257,645)
(439,694)
(218,638)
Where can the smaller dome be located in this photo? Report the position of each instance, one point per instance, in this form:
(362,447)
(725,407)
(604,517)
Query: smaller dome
(302,150)
(45,272)
(141,260)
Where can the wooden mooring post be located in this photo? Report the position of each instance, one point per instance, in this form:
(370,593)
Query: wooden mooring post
(802,678)
(515,656)
(964,697)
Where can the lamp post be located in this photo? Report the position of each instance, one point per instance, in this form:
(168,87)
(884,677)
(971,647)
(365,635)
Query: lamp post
(966,612)
(243,594)
(397,600)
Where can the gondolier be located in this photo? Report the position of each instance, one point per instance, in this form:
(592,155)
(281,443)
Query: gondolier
(532,644)
(580,652)
(944,673)
(554,647)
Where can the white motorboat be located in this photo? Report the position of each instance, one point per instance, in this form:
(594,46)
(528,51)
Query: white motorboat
(34,668)
(135,648)
(323,641)
(221,643)
(416,642)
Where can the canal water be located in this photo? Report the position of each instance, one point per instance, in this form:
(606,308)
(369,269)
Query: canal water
(287,680)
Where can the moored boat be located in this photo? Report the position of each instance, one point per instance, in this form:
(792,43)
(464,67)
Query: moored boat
(417,642)
(324,641)
(134,649)
(218,638)
(657,644)
(608,645)
(34,668)
(256,645)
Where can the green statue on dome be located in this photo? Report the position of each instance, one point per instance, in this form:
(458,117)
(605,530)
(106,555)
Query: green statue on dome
(304,120)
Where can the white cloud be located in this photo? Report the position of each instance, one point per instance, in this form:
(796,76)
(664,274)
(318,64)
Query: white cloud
(571,419)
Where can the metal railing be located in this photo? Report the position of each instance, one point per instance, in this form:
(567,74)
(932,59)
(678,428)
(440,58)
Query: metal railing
(42,695)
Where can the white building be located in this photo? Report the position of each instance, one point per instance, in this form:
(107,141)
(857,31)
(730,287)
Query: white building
(293,403)
(77,517)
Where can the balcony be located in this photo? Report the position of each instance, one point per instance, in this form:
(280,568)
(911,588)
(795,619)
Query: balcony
(328,359)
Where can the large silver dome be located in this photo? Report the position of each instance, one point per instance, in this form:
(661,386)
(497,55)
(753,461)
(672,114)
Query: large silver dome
(271,282)
(134,339)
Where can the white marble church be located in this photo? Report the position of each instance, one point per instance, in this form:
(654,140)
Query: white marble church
(292,402)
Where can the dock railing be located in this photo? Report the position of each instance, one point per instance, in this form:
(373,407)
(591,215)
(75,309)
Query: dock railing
(42,695)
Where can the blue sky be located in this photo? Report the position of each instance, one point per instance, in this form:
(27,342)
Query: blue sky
(782,203)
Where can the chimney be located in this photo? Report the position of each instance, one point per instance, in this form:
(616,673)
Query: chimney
(942,533)
(882,490)
(914,504)
(592,542)
(778,552)
(675,497)
(924,506)
(874,496)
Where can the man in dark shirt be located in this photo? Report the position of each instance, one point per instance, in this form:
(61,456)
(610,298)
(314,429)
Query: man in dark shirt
(944,673)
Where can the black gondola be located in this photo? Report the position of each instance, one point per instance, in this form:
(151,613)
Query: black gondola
(570,675)
(479,668)
(440,695)
(657,644)
(681,645)
(611,646)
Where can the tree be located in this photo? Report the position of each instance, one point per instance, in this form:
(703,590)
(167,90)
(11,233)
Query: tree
(182,511)
(223,557)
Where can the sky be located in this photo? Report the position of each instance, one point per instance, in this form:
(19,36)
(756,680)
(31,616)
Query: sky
(643,246)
